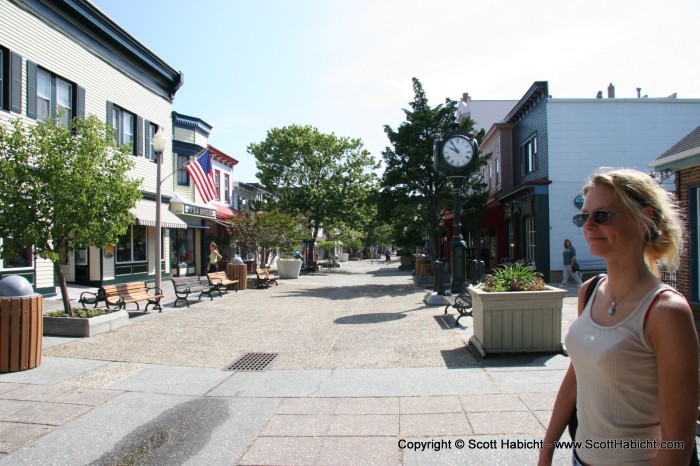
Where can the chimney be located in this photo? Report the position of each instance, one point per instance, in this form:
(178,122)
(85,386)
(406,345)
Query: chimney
(599,95)
(466,98)
(611,91)
(639,92)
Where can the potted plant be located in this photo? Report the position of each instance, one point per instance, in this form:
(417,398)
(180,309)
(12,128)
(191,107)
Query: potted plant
(515,311)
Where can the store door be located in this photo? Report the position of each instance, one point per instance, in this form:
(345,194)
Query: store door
(82,266)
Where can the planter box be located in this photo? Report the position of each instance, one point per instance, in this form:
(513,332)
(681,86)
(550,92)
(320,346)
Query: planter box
(343,257)
(289,268)
(517,321)
(81,328)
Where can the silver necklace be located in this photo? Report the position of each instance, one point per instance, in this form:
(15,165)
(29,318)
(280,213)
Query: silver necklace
(612,308)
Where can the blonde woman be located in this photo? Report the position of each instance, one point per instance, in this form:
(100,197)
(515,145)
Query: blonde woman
(633,377)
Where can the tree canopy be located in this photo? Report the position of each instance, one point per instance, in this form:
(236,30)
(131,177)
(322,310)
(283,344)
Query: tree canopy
(411,191)
(64,188)
(325,178)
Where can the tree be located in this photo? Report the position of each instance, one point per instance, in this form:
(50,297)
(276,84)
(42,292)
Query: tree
(325,178)
(65,188)
(411,190)
(266,231)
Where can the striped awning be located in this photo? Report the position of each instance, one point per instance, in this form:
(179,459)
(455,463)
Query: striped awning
(145,213)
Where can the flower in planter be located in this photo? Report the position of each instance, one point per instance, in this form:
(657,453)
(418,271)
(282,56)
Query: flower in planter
(516,277)
(81,313)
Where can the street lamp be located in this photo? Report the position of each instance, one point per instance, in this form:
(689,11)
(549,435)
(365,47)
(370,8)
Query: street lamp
(159,141)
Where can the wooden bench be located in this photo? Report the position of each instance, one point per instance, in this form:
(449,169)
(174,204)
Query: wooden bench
(220,281)
(463,304)
(264,279)
(184,286)
(121,294)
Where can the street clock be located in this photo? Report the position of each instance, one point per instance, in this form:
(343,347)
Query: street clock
(455,155)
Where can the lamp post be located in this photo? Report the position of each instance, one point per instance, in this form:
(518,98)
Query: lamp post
(159,141)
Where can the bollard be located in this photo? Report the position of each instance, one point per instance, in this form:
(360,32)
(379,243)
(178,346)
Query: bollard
(438,276)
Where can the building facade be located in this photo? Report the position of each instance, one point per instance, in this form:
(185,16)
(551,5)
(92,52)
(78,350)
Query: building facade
(70,57)
(681,162)
(541,155)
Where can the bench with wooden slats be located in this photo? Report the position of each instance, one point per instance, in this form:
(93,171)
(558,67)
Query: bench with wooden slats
(220,281)
(264,279)
(184,286)
(461,302)
(121,294)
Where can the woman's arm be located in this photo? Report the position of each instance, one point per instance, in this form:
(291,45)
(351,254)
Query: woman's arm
(670,330)
(565,402)
(561,414)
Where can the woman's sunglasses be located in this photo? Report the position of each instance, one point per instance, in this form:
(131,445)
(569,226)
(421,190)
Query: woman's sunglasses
(599,216)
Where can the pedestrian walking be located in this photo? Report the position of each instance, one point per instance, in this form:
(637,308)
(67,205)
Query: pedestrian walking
(214,257)
(569,254)
(634,349)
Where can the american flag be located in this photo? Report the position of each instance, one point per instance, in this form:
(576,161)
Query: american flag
(201,172)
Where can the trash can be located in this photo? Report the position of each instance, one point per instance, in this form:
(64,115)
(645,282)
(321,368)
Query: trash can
(21,325)
(238,272)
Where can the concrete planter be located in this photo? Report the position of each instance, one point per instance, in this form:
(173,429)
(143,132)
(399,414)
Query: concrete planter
(289,268)
(81,328)
(343,257)
(517,321)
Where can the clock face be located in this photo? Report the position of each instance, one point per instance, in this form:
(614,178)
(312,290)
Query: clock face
(457,151)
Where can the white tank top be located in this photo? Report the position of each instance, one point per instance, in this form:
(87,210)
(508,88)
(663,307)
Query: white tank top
(616,380)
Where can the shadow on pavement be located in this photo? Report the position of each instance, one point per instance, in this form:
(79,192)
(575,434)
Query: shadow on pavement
(373,318)
(352,292)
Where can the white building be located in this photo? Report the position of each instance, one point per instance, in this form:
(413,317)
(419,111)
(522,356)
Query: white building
(70,55)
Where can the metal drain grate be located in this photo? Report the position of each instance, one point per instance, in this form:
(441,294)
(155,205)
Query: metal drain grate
(252,362)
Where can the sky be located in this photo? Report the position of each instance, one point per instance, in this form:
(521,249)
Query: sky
(345,66)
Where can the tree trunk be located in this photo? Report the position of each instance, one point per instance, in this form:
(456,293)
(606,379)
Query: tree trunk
(64,289)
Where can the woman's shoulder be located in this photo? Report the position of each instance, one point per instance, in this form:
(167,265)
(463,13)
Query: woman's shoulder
(668,316)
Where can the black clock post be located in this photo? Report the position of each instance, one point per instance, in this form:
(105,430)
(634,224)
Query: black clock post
(455,156)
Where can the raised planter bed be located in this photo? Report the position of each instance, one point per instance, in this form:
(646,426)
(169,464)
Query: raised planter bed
(517,321)
(85,327)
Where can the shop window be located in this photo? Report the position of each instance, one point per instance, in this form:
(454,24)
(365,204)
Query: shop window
(183,178)
(182,247)
(131,246)
(150,152)
(50,96)
(497,163)
(128,129)
(4,79)
(227,182)
(528,156)
(530,236)
(17,256)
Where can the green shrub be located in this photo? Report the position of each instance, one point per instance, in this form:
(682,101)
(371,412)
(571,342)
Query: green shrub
(516,277)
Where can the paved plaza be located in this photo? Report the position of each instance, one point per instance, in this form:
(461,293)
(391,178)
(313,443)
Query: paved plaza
(365,373)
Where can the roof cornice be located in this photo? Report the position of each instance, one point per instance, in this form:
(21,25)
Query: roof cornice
(87,25)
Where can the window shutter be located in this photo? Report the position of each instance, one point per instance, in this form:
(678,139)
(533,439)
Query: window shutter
(147,138)
(3,92)
(16,85)
(80,103)
(138,134)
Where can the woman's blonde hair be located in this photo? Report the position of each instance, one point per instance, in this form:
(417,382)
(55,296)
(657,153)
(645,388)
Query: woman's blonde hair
(663,235)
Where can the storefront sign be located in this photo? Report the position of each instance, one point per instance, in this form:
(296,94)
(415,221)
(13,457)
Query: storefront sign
(198,211)
(193,210)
